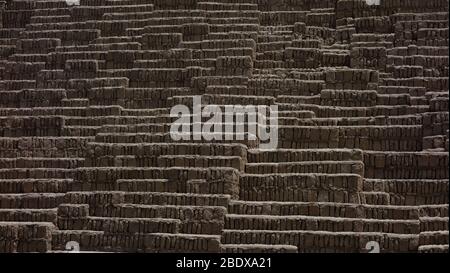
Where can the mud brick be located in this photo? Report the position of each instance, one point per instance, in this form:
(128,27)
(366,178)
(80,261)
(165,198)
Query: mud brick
(28,215)
(321,19)
(38,45)
(375,57)
(81,65)
(30,231)
(86,156)
(165,54)
(98,94)
(347,97)
(84,84)
(120,56)
(185,243)
(16,18)
(357,77)
(22,70)
(373,25)
(2,8)
(34,185)
(227,62)
(335,58)
(36,245)
(69,210)
(328,35)
(309,57)
(291,184)
(234,65)
(8,246)
(110,28)
(9,231)
(227,43)
(195,29)
(31,126)
(439,104)
(161,41)
(300,28)
(131,226)
(282,17)
(94,198)
(78,37)
(162,29)
(33,97)
(304,155)
(234,27)
(175,4)
(197,186)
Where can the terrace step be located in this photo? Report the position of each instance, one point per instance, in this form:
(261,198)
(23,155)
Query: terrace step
(36,173)
(410,191)
(26,236)
(433,210)
(31,200)
(338,167)
(433,249)
(323,209)
(433,223)
(375,198)
(62,147)
(41,162)
(35,185)
(341,188)
(146,242)
(289,155)
(28,215)
(87,154)
(201,161)
(433,237)
(143,185)
(226,6)
(122,225)
(406,165)
(136,199)
(315,241)
(194,219)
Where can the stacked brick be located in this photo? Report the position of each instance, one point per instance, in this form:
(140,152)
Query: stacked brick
(86,153)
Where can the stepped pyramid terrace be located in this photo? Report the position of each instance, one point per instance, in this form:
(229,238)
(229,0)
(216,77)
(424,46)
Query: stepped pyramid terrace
(357,96)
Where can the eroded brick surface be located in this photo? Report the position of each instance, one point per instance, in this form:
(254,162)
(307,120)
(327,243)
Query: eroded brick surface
(86,154)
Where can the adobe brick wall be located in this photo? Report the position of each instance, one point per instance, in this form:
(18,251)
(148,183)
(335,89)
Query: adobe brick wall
(86,154)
